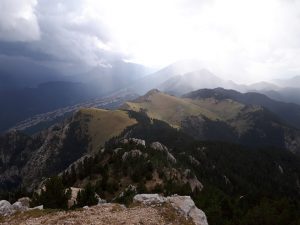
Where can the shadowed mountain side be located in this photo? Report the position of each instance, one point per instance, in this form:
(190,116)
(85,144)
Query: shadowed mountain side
(288,112)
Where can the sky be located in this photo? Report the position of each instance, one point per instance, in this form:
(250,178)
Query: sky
(241,40)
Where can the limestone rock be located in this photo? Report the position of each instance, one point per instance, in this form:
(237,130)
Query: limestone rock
(39,207)
(158,146)
(183,204)
(149,199)
(133,154)
(6,208)
(101,201)
(186,206)
(72,200)
(25,201)
(18,206)
(134,140)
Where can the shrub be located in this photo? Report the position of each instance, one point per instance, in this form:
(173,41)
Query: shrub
(53,196)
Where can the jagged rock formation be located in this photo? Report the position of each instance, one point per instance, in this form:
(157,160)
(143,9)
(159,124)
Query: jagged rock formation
(129,162)
(25,160)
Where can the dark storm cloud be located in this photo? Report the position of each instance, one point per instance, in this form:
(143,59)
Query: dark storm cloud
(59,32)
(23,49)
(224,35)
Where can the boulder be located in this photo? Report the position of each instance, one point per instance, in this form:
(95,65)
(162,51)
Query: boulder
(74,193)
(186,206)
(149,199)
(25,201)
(183,204)
(18,206)
(6,208)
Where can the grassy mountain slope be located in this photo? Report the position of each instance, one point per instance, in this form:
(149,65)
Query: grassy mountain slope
(214,117)
(288,112)
(102,125)
(168,108)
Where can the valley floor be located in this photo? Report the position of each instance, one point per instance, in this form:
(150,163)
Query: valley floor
(113,214)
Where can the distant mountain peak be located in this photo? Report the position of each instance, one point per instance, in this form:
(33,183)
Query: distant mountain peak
(152,92)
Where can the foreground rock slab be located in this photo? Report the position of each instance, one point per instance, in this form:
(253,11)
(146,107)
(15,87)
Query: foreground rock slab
(182,204)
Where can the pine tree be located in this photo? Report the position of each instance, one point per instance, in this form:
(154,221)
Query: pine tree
(53,195)
(87,196)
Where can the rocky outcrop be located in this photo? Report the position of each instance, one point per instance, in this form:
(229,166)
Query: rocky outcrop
(25,160)
(74,193)
(132,154)
(25,201)
(183,204)
(21,205)
(160,147)
(149,199)
(6,208)
(186,206)
(135,141)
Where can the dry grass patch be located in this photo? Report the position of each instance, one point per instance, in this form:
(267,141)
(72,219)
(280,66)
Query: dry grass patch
(102,125)
(169,108)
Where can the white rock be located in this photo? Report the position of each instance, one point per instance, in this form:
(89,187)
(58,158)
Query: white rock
(18,206)
(135,153)
(138,141)
(85,207)
(171,158)
(198,216)
(74,193)
(158,146)
(186,206)
(6,208)
(149,199)
(280,169)
(40,207)
(25,201)
(101,201)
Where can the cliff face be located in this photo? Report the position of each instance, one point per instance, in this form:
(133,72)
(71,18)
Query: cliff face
(24,160)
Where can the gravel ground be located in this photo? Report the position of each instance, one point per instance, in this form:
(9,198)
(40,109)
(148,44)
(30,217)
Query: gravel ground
(113,214)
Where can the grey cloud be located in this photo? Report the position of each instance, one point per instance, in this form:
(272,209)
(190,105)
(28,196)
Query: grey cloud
(65,37)
(18,21)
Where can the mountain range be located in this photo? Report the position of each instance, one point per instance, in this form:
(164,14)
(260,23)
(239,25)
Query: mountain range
(211,144)
(41,90)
